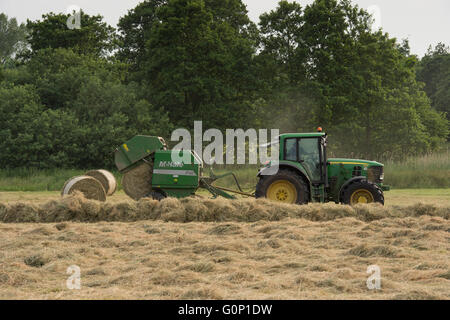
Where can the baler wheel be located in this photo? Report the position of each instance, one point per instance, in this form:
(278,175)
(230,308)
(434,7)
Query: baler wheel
(156,195)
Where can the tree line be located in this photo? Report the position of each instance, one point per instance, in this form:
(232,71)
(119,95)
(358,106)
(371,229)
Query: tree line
(69,96)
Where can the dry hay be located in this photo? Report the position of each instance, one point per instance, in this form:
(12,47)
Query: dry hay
(137,182)
(106,178)
(288,259)
(75,207)
(89,186)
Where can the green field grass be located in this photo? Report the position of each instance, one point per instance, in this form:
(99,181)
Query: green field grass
(429,171)
(38,180)
(35,179)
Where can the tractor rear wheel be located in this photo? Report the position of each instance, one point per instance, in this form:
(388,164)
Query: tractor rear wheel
(362,191)
(285,186)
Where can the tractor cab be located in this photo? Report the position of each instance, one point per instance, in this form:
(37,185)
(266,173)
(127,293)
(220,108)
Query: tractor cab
(309,150)
(304,174)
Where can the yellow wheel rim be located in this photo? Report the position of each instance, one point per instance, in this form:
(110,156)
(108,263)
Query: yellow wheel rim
(282,191)
(361,196)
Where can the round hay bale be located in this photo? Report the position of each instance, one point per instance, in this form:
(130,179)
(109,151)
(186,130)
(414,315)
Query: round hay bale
(137,183)
(106,178)
(89,186)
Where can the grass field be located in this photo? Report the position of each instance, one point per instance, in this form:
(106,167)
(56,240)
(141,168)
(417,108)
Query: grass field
(273,252)
(292,259)
(428,171)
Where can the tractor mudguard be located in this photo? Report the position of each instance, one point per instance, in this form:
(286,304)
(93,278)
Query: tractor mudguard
(288,165)
(348,182)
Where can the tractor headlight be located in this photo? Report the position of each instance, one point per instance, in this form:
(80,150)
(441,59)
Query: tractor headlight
(375,174)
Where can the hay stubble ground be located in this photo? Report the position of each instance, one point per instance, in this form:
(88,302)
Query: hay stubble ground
(292,258)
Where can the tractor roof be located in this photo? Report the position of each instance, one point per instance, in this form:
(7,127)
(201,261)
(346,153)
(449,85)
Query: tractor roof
(302,135)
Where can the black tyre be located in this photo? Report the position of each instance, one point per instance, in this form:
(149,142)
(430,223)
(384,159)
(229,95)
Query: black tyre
(362,191)
(156,195)
(285,186)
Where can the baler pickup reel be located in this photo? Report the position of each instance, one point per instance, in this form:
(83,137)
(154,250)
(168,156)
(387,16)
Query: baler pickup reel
(207,183)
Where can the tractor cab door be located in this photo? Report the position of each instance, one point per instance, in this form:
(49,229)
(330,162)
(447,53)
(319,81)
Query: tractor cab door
(307,151)
(309,156)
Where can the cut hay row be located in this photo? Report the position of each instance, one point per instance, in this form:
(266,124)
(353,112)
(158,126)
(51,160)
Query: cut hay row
(75,207)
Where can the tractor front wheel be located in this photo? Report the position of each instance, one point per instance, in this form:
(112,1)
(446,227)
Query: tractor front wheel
(362,191)
(285,186)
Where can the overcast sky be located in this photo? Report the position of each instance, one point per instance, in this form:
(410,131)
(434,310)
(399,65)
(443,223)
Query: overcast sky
(424,22)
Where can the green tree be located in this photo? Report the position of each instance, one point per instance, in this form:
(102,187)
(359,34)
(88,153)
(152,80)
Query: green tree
(31,136)
(58,74)
(199,67)
(136,27)
(282,70)
(111,113)
(94,37)
(83,94)
(434,71)
(12,37)
(280,32)
(360,83)
(134,31)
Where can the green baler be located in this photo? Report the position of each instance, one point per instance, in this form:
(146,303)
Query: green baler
(149,171)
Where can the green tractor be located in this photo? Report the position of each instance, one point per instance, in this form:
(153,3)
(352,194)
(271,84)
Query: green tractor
(303,174)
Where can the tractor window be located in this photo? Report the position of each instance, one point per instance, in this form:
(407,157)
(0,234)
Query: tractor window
(290,152)
(309,155)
